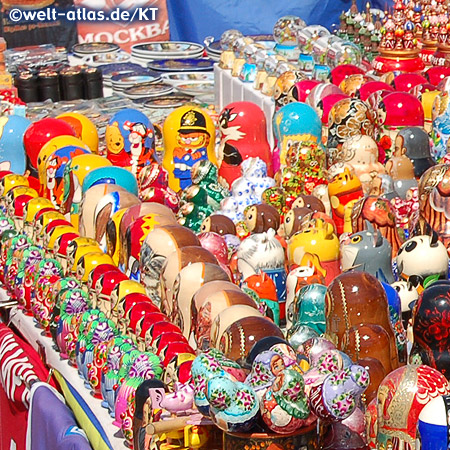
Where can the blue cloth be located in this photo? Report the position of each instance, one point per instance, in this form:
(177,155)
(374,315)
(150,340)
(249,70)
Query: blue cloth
(193,20)
(52,424)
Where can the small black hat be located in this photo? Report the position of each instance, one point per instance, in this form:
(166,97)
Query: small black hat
(192,121)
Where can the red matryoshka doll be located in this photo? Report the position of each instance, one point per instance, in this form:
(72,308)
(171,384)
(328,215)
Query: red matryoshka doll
(130,140)
(190,279)
(104,287)
(348,117)
(20,203)
(135,314)
(243,135)
(189,136)
(396,111)
(436,74)
(119,291)
(342,71)
(393,416)
(38,134)
(125,304)
(431,343)
(62,243)
(158,245)
(358,298)
(404,82)
(380,213)
(370,87)
(178,259)
(434,200)
(300,91)
(343,190)
(153,182)
(10,198)
(93,276)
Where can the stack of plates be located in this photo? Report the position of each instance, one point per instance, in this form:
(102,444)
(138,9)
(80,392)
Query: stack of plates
(188,77)
(147,90)
(143,53)
(181,65)
(122,81)
(94,49)
(111,70)
(214,50)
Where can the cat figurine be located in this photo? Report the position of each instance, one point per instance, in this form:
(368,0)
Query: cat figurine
(368,251)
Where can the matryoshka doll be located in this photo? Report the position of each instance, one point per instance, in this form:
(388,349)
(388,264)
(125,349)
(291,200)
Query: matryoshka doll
(343,190)
(190,279)
(434,200)
(84,129)
(295,122)
(12,150)
(380,213)
(130,140)
(74,173)
(317,245)
(348,117)
(430,345)
(189,136)
(361,152)
(283,85)
(38,134)
(396,111)
(52,175)
(93,198)
(401,397)
(243,135)
(361,299)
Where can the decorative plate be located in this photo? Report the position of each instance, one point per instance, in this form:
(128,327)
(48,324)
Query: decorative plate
(135,78)
(89,48)
(148,90)
(167,47)
(196,88)
(181,65)
(188,77)
(168,101)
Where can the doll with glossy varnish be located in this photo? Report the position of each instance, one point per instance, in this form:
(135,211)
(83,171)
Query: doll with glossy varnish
(434,200)
(188,138)
(243,135)
(343,189)
(380,213)
(358,298)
